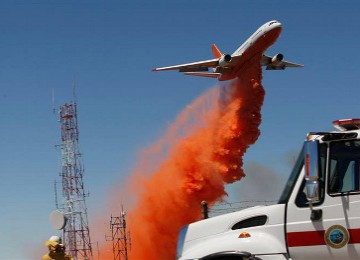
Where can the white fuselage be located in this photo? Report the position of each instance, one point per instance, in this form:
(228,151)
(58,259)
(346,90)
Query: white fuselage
(258,35)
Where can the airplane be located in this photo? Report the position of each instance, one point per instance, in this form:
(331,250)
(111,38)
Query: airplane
(226,66)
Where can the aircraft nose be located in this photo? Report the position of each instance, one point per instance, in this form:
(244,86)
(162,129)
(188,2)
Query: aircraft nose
(275,23)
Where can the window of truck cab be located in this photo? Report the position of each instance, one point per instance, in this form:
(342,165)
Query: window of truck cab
(344,168)
(301,200)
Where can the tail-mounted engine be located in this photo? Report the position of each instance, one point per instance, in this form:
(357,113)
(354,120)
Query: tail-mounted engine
(225,60)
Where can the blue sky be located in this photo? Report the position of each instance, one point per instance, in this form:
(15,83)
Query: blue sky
(109,48)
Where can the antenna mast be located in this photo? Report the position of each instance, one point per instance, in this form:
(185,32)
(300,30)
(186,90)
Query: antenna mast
(120,237)
(76,232)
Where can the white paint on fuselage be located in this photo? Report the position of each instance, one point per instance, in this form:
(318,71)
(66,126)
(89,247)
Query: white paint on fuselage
(256,36)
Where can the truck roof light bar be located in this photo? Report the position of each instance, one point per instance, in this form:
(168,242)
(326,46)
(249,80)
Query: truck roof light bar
(328,136)
(347,124)
(339,136)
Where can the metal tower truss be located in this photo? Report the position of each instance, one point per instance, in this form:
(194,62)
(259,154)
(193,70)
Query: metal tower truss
(76,231)
(120,238)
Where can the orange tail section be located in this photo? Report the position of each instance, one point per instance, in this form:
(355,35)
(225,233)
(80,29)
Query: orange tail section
(216,51)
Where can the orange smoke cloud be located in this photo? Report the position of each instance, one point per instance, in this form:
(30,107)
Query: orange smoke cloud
(203,151)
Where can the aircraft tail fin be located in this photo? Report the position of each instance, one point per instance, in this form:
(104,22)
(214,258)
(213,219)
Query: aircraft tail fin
(216,51)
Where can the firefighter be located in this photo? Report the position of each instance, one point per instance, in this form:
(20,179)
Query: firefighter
(56,250)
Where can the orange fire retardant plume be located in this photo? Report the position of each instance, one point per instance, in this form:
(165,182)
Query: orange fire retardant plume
(200,153)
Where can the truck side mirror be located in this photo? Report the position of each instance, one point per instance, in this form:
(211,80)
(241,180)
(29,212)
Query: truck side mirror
(312,191)
(312,171)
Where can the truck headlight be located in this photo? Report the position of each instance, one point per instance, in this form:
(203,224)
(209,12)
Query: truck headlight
(181,240)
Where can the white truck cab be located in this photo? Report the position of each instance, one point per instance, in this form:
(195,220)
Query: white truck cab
(317,215)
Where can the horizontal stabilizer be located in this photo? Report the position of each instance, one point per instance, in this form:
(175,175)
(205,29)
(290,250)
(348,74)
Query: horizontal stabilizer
(203,74)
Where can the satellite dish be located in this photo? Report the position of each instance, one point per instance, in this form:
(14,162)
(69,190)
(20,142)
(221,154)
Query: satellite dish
(57,219)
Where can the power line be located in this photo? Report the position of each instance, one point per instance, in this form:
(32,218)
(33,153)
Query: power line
(229,207)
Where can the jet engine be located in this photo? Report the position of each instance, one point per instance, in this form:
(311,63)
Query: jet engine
(277,59)
(224,60)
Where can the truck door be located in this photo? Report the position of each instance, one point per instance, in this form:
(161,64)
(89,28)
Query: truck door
(335,234)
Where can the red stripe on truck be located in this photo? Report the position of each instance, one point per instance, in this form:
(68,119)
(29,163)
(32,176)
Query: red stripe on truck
(306,238)
(317,238)
(354,236)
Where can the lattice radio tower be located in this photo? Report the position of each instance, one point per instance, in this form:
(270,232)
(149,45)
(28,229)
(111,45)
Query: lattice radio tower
(120,237)
(76,231)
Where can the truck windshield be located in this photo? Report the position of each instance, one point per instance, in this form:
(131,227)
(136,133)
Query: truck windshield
(292,179)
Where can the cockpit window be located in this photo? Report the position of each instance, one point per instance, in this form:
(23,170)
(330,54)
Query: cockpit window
(272,22)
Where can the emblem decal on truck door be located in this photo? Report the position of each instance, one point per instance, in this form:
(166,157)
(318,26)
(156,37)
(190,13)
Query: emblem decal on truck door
(336,236)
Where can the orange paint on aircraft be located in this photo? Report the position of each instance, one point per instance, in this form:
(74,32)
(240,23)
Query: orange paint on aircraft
(216,52)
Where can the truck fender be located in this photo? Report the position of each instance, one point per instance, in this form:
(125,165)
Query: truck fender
(230,242)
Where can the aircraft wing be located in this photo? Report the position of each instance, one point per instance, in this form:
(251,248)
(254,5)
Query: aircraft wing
(192,67)
(203,74)
(291,64)
(278,64)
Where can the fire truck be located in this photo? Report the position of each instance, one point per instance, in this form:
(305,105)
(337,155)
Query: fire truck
(316,217)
